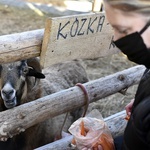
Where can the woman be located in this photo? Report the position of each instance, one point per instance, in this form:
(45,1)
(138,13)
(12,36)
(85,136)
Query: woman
(130,20)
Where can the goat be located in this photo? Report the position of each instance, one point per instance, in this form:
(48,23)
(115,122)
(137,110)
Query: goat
(20,83)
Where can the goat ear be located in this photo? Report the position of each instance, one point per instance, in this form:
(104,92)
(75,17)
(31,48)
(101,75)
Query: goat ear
(36,74)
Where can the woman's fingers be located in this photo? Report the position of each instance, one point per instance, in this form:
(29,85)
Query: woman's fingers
(100,147)
(128,107)
(85,148)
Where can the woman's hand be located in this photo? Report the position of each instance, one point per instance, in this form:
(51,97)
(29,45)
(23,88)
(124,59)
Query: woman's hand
(99,148)
(128,107)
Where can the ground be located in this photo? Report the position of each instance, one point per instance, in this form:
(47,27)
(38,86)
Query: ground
(14,20)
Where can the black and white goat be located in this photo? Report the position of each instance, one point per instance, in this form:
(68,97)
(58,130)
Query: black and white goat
(20,83)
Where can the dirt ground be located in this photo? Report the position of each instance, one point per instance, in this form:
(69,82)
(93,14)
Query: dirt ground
(54,2)
(18,20)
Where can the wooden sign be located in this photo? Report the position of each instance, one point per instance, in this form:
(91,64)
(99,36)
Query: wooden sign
(76,37)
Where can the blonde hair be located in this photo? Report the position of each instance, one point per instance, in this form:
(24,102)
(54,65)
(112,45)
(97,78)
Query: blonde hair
(139,6)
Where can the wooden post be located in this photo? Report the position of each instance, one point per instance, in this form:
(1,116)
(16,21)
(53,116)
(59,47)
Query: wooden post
(97,6)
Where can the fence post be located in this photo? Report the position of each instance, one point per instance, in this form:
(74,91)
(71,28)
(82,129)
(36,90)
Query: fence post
(97,6)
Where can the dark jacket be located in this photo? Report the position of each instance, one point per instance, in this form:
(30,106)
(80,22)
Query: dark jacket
(137,132)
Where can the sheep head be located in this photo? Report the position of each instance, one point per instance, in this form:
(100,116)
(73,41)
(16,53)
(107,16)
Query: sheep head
(13,80)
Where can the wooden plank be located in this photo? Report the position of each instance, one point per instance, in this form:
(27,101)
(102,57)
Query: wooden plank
(116,124)
(29,114)
(74,37)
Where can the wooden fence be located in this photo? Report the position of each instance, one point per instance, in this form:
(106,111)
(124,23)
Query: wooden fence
(64,38)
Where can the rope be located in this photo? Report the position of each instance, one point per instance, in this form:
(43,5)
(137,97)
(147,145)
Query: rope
(82,87)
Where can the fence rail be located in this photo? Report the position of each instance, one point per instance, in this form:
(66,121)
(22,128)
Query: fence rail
(55,104)
(20,46)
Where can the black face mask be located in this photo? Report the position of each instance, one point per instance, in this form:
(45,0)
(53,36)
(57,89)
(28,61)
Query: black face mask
(134,47)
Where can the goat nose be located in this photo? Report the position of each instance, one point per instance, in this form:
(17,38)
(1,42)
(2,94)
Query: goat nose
(8,93)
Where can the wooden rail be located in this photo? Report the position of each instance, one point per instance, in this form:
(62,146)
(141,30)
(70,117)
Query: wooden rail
(20,46)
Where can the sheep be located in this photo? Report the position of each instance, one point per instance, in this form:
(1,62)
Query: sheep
(20,82)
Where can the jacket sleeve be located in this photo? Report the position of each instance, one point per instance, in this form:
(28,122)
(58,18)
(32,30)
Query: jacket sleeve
(141,120)
(148,139)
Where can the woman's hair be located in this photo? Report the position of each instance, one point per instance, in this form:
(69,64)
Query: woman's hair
(139,6)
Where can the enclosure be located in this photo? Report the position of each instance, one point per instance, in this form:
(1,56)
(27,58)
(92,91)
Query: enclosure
(18,19)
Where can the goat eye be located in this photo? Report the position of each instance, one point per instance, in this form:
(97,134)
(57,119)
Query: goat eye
(25,70)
